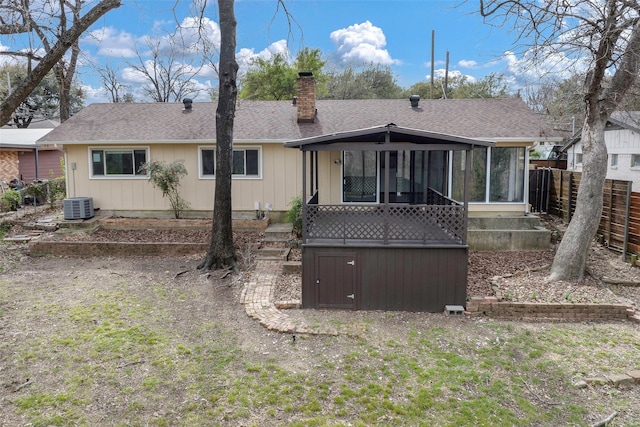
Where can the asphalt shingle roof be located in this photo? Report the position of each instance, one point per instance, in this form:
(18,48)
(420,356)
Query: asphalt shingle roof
(277,120)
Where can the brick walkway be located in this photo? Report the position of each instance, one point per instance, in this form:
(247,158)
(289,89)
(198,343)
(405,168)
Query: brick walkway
(258,300)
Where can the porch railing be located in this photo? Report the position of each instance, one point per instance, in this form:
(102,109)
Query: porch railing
(392,223)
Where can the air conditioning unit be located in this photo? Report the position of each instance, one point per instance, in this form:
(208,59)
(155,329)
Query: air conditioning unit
(78,208)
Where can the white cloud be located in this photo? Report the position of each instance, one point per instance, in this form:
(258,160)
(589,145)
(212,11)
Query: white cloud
(196,34)
(246,56)
(362,43)
(135,77)
(111,42)
(467,63)
(534,67)
(93,95)
(453,75)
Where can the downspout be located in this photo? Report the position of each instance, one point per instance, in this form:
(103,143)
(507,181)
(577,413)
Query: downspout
(37,160)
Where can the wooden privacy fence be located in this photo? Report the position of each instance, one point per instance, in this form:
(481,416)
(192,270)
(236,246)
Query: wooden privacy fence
(620,222)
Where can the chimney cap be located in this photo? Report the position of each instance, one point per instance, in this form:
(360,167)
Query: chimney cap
(305,74)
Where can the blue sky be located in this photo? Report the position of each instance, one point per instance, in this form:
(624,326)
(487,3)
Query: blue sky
(395,33)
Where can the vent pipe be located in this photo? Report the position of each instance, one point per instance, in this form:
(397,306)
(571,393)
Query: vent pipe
(414,99)
(188,103)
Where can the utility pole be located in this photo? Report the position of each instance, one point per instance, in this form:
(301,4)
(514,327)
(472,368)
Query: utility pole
(433,43)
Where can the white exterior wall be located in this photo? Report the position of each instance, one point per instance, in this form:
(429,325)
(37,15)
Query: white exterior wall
(280,181)
(623,142)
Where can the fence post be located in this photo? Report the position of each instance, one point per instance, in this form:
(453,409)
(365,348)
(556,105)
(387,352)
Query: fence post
(626,224)
(569,199)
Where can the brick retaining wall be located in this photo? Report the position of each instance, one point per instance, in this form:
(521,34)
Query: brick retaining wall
(491,307)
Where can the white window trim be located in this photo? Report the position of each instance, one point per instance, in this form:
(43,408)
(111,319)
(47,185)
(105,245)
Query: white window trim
(632,167)
(116,148)
(611,164)
(236,148)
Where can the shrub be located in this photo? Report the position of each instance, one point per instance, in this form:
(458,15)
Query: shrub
(9,200)
(294,215)
(37,192)
(57,189)
(166,177)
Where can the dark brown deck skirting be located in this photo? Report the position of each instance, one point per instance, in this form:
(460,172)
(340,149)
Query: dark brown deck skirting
(89,249)
(384,277)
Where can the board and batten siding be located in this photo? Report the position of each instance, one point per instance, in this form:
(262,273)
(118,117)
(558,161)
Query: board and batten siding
(280,181)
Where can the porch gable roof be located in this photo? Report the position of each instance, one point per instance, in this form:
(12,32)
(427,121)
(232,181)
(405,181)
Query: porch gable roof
(385,138)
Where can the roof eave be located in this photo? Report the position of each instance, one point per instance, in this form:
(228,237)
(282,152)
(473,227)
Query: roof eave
(388,133)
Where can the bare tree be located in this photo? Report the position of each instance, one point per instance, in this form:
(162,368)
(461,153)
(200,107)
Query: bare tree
(168,79)
(221,252)
(116,91)
(50,22)
(16,18)
(605,34)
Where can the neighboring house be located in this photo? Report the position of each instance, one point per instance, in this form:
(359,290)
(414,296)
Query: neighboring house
(622,138)
(21,158)
(387,185)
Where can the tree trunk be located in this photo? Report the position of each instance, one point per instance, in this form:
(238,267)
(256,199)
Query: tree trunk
(221,251)
(64,76)
(20,93)
(571,256)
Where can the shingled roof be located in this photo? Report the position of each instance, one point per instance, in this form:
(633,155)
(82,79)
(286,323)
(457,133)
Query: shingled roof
(275,121)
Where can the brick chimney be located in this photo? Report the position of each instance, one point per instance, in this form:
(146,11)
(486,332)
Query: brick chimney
(306,99)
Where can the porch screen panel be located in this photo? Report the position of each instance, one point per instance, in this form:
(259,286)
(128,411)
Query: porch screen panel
(437,171)
(360,176)
(507,174)
(477,175)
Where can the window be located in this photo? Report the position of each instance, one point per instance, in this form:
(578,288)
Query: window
(578,158)
(117,161)
(477,175)
(635,161)
(506,174)
(359,176)
(614,160)
(245,163)
(504,181)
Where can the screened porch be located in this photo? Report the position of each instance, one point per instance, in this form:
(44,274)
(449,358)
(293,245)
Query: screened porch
(392,189)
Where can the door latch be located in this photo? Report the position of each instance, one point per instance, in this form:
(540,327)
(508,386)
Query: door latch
(352,262)
(352,296)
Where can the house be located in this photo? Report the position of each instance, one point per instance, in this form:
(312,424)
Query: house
(622,138)
(21,158)
(387,185)
(105,143)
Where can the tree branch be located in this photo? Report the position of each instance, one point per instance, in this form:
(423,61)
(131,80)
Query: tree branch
(66,40)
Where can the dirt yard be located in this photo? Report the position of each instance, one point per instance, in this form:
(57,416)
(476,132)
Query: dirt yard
(112,341)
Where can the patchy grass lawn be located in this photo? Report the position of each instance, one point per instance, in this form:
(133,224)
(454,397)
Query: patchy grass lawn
(116,342)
